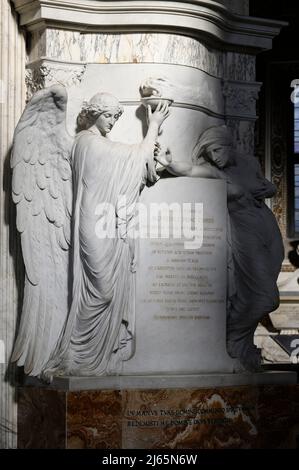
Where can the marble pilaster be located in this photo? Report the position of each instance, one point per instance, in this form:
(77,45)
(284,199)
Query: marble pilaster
(12,87)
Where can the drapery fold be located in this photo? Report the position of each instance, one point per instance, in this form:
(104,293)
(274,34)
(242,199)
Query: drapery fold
(99,333)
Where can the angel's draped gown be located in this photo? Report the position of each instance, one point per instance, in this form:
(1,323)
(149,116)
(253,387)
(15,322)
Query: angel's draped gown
(257,253)
(99,333)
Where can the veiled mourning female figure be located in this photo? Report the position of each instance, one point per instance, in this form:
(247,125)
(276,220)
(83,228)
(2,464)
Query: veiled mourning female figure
(256,243)
(96,334)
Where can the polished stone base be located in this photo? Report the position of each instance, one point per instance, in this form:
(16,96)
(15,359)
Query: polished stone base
(213,417)
(146,382)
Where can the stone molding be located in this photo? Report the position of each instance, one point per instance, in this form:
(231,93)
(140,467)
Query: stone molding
(194,18)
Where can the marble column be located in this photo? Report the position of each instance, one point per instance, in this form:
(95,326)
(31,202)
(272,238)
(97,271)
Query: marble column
(12,99)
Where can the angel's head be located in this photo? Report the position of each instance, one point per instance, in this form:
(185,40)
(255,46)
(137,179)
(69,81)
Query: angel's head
(102,111)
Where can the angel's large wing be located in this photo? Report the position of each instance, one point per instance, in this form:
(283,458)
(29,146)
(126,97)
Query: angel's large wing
(42,191)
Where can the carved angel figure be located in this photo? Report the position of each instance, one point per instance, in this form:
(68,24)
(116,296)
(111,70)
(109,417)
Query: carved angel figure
(42,191)
(78,311)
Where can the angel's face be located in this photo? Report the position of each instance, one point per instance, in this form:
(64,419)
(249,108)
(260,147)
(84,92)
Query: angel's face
(106,121)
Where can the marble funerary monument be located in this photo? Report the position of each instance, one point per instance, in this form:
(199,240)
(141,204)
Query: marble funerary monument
(150,255)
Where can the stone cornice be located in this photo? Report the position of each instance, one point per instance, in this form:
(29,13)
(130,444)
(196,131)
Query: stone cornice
(196,18)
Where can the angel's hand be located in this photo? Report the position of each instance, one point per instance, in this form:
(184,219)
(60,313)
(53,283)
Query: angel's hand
(164,158)
(159,115)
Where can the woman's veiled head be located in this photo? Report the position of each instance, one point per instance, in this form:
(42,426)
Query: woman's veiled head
(103,110)
(214,145)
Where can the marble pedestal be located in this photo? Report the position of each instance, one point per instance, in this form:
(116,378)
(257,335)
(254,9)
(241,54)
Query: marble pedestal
(181,280)
(193,412)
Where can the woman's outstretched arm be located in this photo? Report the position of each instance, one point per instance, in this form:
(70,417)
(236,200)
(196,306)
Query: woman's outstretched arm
(205,170)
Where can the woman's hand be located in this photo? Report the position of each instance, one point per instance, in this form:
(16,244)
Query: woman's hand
(163,157)
(159,115)
(234,191)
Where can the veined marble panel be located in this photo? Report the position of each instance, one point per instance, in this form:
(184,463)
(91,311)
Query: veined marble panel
(127,48)
(247,417)
(140,48)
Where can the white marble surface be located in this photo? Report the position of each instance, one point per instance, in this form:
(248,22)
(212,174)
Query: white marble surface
(181,293)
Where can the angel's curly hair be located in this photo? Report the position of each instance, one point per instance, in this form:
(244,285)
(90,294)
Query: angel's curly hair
(99,104)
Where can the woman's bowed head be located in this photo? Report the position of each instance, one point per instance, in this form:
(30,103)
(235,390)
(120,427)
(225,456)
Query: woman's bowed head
(214,147)
(212,155)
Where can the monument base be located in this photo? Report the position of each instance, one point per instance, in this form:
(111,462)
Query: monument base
(175,412)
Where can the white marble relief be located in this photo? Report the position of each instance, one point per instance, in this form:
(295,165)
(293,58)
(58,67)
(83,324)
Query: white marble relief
(252,289)
(48,166)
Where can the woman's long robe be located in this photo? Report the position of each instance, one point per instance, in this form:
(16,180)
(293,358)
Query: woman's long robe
(257,254)
(108,178)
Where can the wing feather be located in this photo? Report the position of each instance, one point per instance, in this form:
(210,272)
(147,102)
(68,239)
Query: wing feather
(41,180)
(30,186)
(42,191)
(18,179)
(22,215)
